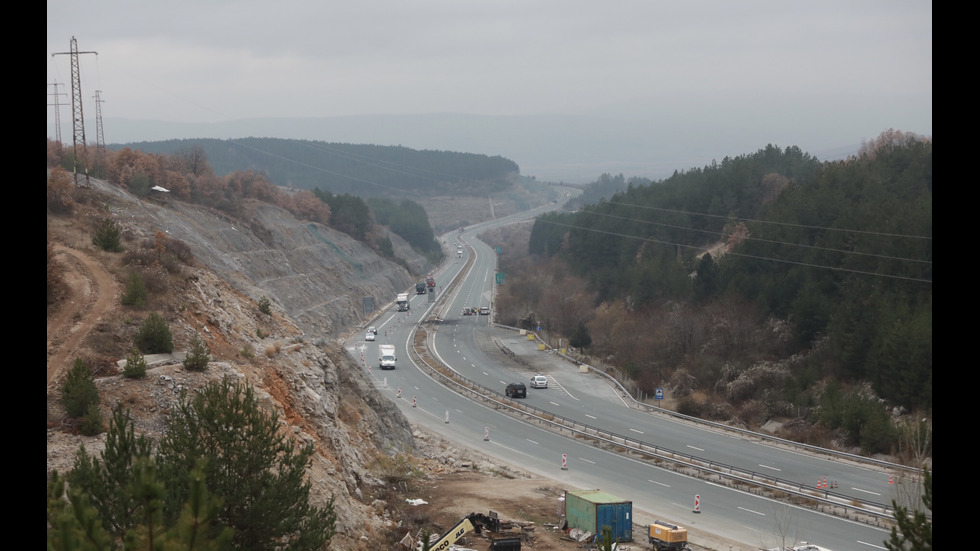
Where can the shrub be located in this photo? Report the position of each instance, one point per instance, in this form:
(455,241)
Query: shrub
(272,349)
(580,338)
(55,282)
(107,236)
(156,278)
(199,356)
(60,192)
(265,306)
(78,392)
(136,293)
(154,336)
(139,184)
(692,405)
(399,469)
(135,366)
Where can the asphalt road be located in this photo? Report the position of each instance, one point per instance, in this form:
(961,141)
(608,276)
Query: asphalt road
(462,342)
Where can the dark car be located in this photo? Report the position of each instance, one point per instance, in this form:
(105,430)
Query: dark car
(516,390)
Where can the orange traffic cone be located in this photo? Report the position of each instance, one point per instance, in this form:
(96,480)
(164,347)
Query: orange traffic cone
(890,479)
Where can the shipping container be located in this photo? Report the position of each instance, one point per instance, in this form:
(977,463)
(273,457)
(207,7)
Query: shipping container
(591,510)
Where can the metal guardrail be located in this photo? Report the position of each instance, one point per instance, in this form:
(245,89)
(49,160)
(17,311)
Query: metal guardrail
(909,472)
(877,514)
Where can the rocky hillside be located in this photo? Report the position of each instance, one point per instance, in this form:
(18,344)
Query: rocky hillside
(315,279)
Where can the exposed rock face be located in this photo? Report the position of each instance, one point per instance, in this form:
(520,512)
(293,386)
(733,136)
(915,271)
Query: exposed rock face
(316,279)
(315,275)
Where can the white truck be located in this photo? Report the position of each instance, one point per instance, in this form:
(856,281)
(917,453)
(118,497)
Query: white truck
(386,358)
(402,302)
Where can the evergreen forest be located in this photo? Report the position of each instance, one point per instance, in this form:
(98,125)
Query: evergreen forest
(808,274)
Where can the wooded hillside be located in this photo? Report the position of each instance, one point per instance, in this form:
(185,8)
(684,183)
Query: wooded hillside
(825,284)
(357,169)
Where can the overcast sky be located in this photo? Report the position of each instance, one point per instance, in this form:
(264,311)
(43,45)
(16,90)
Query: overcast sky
(859,67)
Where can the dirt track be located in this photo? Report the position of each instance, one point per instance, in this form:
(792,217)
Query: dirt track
(93,293)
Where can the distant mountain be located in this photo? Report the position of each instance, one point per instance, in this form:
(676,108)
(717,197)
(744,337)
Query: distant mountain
(556,148)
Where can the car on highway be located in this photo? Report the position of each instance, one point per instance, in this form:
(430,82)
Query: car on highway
(539,381)
(369,336)
(484,310)
(516,390)
(373,329)
(467,311)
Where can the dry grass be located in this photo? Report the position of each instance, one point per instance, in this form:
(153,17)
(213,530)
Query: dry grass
(273,349)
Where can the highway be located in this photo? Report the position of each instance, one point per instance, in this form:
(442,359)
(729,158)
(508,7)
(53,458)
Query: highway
(467,344)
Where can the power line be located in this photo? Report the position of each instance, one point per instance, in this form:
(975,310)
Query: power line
(769,221)
(788,243)
(657,241)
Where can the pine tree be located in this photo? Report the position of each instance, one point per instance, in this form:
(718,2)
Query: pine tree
(136,292)
(135,367)
(199,356)
(107,236)
(257,470)
(91,422)
(79,391)
(265,306)
(199,515)
(107,482)
(154,336)
(73,524)
(913,533)
(121,499)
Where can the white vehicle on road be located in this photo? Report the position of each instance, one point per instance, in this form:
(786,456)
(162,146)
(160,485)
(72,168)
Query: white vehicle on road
(539,381)
(386,358)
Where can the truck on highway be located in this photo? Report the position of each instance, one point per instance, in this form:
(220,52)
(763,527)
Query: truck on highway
(420,288)
(402,302)
(664,535)
(386,356)
(430,282)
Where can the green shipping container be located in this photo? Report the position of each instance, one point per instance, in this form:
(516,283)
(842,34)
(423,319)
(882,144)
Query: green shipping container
(590,510)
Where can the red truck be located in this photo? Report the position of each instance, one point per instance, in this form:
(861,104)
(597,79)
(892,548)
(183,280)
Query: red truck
(430,282)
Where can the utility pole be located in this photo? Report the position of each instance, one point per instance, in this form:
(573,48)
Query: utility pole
(99,136)
(57,111)
(78,120)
